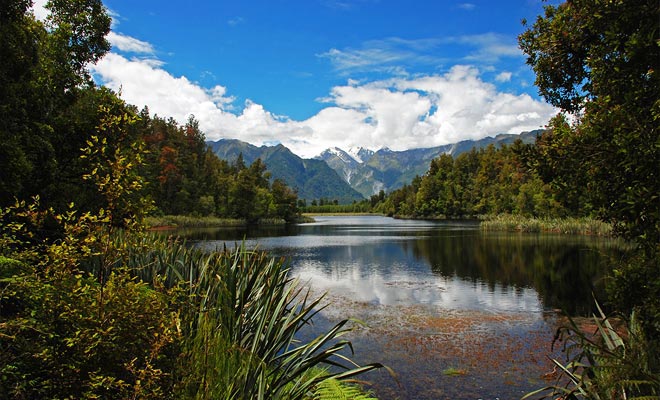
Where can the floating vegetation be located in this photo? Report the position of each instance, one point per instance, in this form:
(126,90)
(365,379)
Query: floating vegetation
(498,354)
(451,371)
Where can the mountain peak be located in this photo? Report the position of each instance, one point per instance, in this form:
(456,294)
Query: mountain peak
(344,156)
(360,154)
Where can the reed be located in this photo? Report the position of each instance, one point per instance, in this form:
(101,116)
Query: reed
(608,362)
(186,221)
(571,226)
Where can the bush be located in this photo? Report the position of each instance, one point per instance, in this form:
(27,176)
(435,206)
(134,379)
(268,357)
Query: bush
(74,338)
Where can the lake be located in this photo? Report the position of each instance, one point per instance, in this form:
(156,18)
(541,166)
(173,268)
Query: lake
(457,313)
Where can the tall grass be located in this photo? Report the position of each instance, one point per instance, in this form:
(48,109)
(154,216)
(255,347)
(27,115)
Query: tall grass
(573,226)
(182,221)
(241,318)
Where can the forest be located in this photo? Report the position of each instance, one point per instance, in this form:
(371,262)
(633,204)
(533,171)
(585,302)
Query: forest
(52,109)
(94,306)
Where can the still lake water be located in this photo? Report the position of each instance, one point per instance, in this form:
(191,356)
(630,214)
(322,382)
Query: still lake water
(437,296)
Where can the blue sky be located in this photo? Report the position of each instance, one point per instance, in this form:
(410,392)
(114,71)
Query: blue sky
(312,74)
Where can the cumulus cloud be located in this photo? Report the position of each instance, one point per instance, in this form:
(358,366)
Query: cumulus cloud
(399,113)
(129,44)
(503,76)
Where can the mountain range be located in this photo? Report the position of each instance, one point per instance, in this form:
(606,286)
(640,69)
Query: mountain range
(310,178)
(353,174)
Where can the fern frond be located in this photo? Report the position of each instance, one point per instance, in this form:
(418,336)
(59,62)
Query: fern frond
(333,389)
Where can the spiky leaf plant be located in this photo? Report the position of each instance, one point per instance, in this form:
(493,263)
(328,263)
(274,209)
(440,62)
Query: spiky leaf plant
(605,364)
(246,313)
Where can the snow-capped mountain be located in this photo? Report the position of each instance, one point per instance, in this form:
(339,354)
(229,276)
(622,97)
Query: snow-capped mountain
(368,172)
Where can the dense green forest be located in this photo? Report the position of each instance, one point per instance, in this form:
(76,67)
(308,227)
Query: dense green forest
(52,109)
(479,182)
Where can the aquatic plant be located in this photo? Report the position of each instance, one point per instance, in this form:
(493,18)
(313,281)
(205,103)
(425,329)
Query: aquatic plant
(609,363)
(573,226)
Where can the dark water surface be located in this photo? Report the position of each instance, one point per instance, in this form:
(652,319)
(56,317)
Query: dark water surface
(439,296)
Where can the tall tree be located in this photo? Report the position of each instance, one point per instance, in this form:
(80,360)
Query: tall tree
(600,60)
(43,74)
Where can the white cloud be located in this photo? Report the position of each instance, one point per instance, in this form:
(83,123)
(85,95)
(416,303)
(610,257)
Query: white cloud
(393,55)
(489,47)
(129,44)
(467,6)
(39,10)
(399,113)
(503,76)
(236,21)
(390,55)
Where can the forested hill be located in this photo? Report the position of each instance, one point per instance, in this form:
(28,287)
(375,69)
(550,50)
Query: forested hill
(311,179)
(390,170)
(336,175)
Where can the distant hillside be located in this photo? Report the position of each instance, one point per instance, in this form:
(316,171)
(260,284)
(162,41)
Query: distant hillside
(354,174)
(312,179)
(388,170)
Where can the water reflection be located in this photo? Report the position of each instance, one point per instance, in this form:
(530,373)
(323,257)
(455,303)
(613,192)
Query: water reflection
(453,265)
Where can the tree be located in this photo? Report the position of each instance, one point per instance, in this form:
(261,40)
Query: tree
(285,201)
(600,60)
(77,38)
(43,74)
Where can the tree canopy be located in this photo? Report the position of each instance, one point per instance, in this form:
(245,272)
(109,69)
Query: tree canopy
(51,110)
(600,61)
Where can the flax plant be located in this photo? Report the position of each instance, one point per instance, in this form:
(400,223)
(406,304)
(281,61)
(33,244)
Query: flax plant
(244,316)
(608,364)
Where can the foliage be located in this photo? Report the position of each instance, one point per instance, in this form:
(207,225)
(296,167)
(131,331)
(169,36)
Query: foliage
(114,160)
(479,182)
(609,363)
(333,389)
(635,281)
(161,320)
(323,206)
(44,75)
(240,338)
(189,179)
(64,333)
(600,61)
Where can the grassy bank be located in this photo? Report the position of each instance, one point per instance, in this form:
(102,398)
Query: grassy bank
(337,214)
(186,221)
(571,226)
